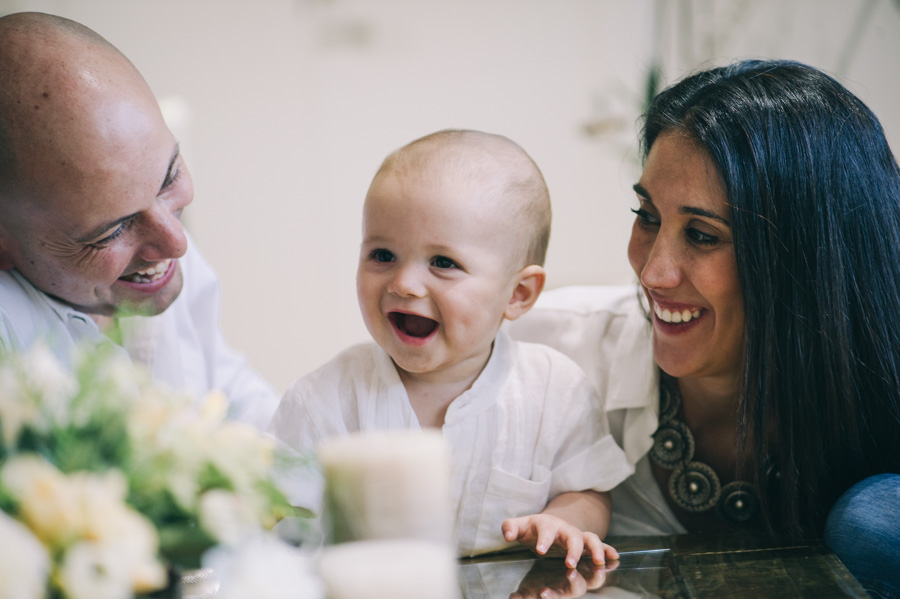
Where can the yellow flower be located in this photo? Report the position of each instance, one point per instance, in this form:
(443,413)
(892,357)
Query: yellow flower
(47,502)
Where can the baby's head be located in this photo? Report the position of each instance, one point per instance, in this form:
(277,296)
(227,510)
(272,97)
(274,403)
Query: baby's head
(482,175)
(455,230)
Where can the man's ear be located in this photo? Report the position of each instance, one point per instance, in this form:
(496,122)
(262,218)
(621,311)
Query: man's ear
(530,283)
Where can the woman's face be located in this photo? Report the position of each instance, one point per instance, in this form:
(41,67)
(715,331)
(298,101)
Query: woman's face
(681,249)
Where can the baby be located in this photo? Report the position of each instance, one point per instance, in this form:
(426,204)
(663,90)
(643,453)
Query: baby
(455,230)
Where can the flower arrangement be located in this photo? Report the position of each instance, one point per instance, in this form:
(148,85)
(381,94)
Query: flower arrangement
(109,484)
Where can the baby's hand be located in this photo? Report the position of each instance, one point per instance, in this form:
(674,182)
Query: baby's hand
(541,532)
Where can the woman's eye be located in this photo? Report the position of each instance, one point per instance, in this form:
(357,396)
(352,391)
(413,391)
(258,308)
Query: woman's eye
(645,218)
(443,262)
(700,238)
(382,255)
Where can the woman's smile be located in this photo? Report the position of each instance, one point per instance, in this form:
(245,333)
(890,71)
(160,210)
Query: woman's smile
(682,251)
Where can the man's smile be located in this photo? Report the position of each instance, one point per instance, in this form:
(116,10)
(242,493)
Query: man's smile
(149,275)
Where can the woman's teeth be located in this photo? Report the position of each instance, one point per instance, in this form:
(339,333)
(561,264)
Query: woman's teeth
(667,315)
(149,275)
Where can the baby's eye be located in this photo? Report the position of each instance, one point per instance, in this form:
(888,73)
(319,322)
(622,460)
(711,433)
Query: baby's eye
(443,262)
(382,255)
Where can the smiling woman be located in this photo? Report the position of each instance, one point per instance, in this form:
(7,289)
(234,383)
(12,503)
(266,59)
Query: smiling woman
(682,251)
(767,245)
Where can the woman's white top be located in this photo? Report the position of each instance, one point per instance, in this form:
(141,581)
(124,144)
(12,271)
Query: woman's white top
(606,331)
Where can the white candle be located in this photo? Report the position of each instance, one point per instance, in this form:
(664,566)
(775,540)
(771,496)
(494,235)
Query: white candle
(388,484)
(389,569)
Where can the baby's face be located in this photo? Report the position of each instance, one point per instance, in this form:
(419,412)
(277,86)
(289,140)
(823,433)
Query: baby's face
(435,274)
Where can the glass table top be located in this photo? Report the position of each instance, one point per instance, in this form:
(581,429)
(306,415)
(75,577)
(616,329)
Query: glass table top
(684,566)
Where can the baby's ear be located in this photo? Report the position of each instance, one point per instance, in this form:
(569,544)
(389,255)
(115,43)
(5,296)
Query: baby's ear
(527,290)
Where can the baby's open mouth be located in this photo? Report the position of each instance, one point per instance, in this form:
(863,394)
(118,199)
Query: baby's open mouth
(148,275)
(412,325)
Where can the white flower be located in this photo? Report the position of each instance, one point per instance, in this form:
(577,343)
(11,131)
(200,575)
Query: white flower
(83,539)
(189,441)
(24,564)
(241,454)
(92,570)
(113,383)
(263,568)
(35,392)
(128,537)
(167,444)
(228,517)
(51,382)
(16,408)
(151,413)
(214,407)
(100,502)
(124,564)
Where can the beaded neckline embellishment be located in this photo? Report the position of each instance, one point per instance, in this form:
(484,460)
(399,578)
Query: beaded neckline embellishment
(694,486)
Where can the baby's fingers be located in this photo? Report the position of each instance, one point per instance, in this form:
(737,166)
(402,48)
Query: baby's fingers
(611,552)
(574,549)
(546,537)
(598,550)
(511,529)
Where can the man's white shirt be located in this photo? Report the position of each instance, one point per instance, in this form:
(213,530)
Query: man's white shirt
(182,348)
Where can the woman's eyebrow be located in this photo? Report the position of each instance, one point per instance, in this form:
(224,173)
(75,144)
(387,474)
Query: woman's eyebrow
(705,213)
(692,210)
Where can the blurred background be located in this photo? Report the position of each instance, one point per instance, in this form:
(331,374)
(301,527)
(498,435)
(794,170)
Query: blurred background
(285,109)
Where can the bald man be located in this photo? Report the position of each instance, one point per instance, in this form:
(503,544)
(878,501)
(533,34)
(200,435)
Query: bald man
(92,188)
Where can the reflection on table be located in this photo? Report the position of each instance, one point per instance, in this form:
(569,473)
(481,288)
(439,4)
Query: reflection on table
(685,566)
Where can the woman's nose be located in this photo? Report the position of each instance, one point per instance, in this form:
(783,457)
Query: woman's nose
(662,268)
(407,282)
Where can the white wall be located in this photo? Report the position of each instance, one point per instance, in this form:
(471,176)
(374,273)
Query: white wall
(293,104)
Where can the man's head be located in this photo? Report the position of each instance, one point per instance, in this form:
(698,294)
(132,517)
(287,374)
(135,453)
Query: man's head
(455,229)
(92,183)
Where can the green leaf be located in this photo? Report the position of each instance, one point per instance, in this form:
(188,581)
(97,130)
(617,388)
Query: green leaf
(184,545)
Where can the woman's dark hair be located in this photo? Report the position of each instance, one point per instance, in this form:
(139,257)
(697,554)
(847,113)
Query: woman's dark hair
(814,192)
